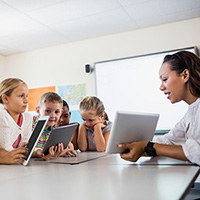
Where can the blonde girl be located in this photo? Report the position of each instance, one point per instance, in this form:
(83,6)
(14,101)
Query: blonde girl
(94,132)
(15,125)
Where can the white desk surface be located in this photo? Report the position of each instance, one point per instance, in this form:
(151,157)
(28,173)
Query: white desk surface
(106,178)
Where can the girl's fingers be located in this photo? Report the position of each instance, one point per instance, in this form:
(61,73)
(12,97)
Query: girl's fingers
(21,150)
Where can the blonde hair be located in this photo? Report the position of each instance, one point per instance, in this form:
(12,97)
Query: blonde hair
(50,97)
(93,103)
(8,85)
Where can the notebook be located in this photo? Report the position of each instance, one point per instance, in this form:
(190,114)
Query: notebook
(34,138)
(129,127)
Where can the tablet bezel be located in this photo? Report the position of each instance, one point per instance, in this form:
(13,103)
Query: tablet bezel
(35,140)
(64,136)
(129,127)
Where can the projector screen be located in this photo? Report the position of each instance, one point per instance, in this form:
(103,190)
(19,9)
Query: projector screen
(132,84)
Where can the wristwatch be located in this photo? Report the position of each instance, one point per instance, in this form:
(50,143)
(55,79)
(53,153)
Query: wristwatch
(149,150)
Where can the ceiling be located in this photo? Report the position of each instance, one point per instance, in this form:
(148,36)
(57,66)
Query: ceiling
(32,24)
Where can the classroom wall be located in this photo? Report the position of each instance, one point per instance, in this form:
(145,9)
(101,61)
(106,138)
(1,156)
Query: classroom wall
(2,61)
(65,64)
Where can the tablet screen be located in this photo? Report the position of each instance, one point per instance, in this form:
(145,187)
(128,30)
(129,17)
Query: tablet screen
(62,135)
(34,137)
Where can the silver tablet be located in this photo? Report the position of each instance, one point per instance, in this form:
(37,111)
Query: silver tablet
(34,138)
(61,134)
(129,127)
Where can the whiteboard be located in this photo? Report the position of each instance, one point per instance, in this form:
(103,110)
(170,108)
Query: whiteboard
(132,84)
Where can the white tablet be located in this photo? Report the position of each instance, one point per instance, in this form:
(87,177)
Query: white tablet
(61,134)
(34,138)
(129,127)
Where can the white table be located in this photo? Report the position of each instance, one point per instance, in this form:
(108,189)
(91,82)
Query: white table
(105,178)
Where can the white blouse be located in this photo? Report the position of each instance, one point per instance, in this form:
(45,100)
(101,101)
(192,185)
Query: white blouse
(9,130)
(186,133)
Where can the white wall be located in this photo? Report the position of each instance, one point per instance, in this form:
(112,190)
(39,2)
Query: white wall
(64,64)
(2,67)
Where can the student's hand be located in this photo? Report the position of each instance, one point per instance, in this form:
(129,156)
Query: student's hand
(99,125)
(50,154)
(69,151)
(38,154)
(135,150)
(83,126)
(15,155)
(55,152)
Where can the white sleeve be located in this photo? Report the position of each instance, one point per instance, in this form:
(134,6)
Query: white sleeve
(191,150)
(191,147)
(27,129)
(187,134)
(176,136)
(5,133)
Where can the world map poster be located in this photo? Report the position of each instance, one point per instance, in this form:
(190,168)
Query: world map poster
(73,94)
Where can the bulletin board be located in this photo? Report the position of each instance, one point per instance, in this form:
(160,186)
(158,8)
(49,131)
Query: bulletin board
(35,94)
(132,84)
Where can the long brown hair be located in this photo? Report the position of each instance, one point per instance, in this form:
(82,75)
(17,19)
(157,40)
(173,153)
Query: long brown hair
(186,60)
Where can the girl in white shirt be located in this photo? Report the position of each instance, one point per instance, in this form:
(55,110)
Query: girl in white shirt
(180,80)
(15,125)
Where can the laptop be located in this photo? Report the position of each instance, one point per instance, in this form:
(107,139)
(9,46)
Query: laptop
(34,138)
(129,127)
(62,134)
